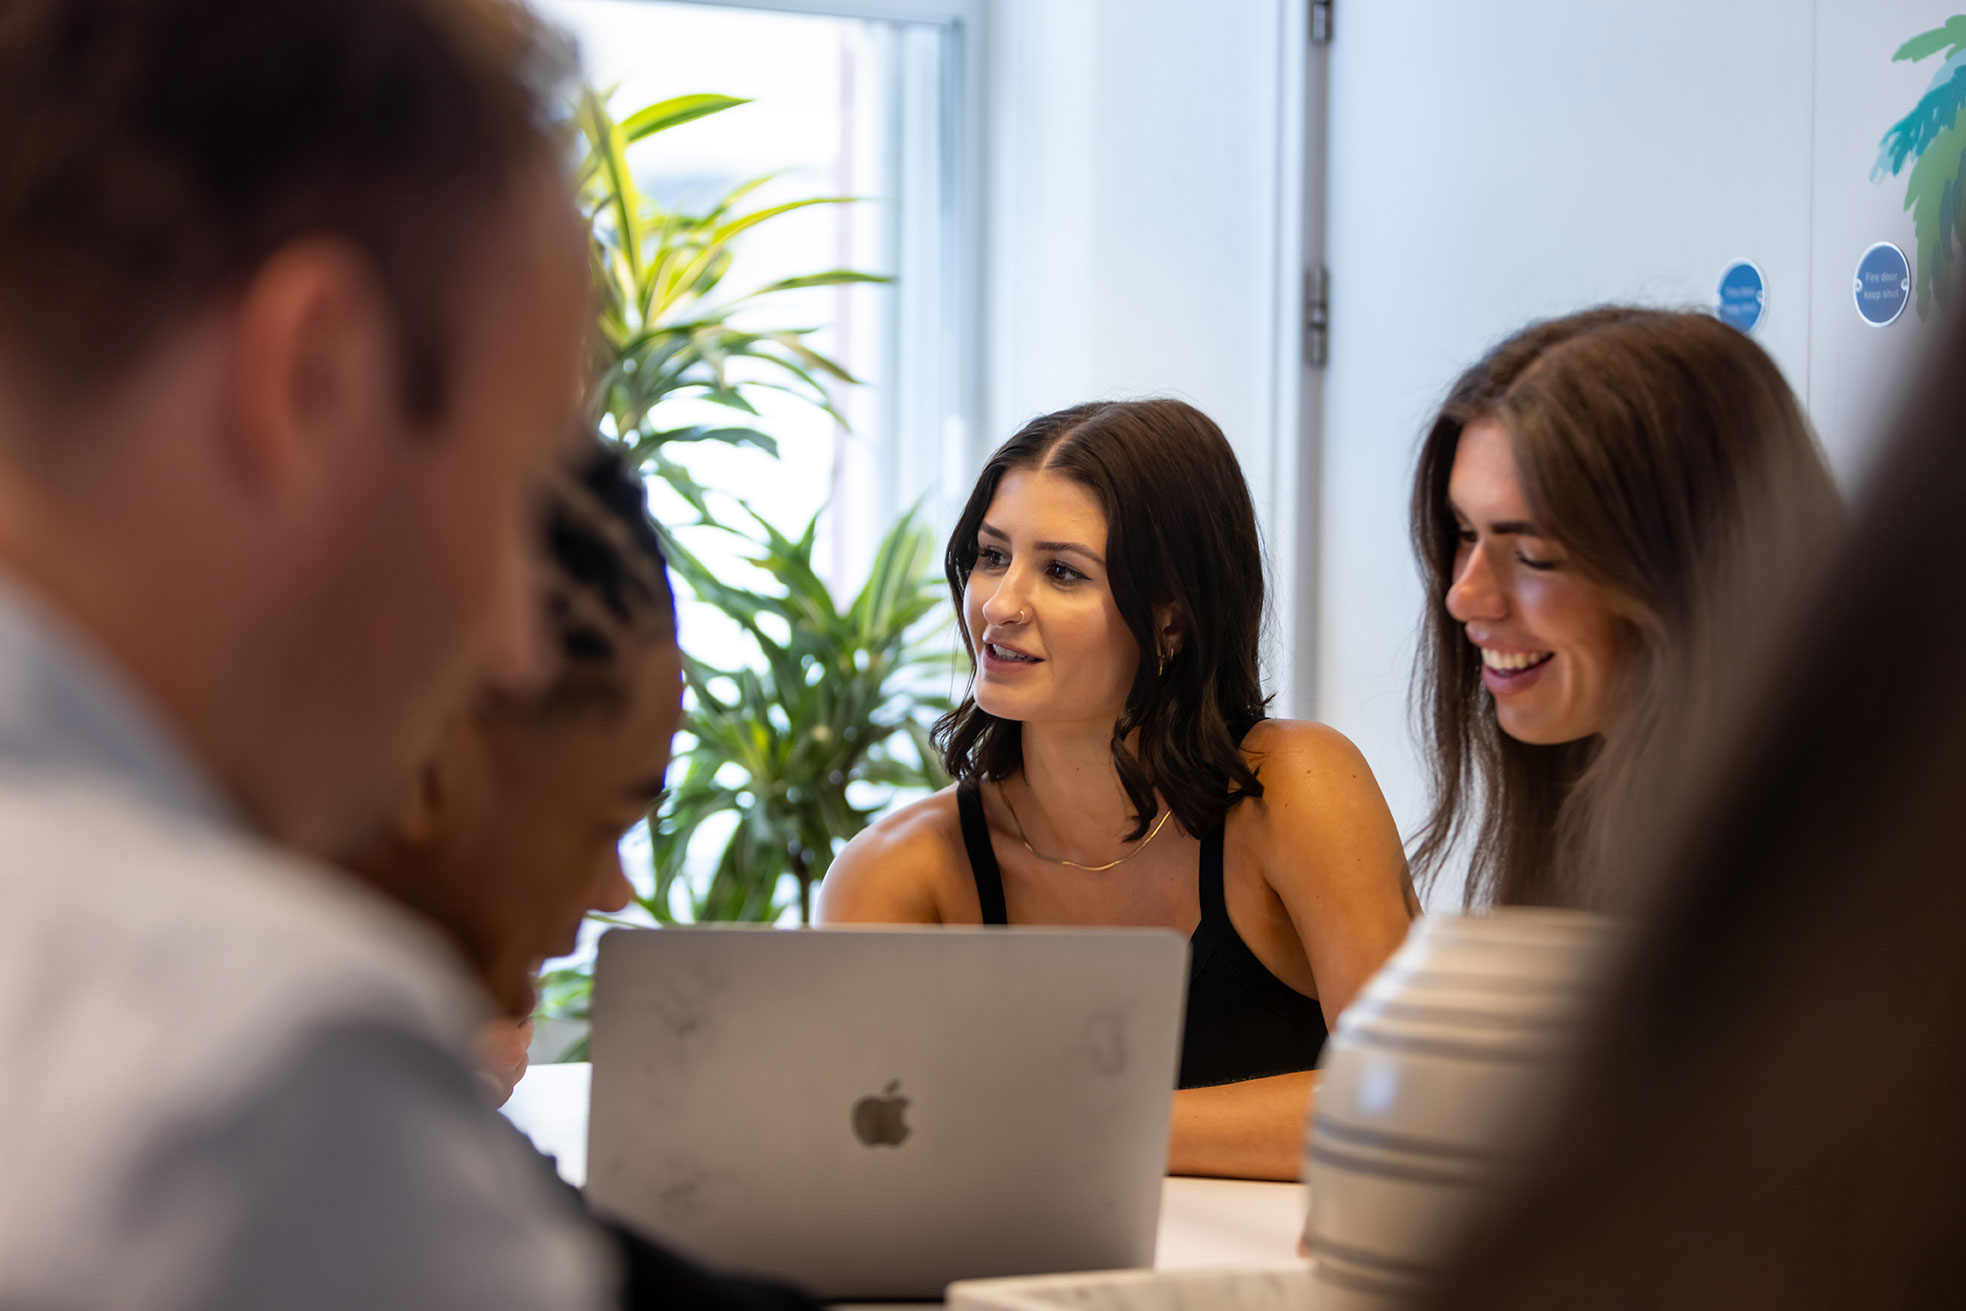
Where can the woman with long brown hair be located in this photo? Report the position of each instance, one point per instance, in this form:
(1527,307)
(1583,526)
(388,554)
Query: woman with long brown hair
(1114,766)
(1591,503)
(1769,1110)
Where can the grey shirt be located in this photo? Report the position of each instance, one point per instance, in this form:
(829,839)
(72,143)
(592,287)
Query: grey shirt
(230,1077)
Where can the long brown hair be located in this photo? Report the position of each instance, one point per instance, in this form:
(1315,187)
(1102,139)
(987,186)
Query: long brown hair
(1655,447)
(1180,536)
(1770,1110)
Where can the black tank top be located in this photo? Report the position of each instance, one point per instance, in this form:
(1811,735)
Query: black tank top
(1243,1022)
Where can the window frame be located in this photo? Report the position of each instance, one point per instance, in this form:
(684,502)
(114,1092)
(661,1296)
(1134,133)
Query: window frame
(934,468)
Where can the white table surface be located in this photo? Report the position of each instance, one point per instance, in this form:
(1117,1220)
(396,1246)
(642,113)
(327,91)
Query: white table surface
(1204,1223)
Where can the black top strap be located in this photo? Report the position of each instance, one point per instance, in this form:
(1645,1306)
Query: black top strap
(1214,904)
(1243,1021)
(983,857)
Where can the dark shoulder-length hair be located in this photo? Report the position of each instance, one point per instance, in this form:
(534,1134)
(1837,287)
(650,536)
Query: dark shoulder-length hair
(1181,540)
(1667,455)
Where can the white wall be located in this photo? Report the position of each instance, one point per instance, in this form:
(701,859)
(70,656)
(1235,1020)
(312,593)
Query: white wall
(1144,218)
(1492,163)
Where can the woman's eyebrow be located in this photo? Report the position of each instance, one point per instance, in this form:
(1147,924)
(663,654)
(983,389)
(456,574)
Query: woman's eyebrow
(1500,528)
(998,534)
(1514,528)
(1076,549)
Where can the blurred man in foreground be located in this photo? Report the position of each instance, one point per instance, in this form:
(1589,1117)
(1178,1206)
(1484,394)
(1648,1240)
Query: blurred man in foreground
(291,309)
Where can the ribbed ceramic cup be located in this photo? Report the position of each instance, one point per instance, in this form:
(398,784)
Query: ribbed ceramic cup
(1450,1053)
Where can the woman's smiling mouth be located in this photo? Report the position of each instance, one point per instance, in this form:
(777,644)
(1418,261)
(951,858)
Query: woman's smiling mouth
(1512,662)
(1507,672)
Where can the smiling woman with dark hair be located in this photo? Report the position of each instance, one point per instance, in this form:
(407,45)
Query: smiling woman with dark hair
(1114,767)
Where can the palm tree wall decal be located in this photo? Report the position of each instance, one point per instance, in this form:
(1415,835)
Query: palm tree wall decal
(1932,137)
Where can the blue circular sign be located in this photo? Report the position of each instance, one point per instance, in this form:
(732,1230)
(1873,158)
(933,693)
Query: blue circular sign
(1741,296)
(1883,284)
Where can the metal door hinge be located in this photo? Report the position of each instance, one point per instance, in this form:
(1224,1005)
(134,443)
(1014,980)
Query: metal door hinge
(1320,22)
(1317,316)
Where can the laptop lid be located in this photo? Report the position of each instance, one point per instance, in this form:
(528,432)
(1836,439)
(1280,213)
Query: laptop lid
(877,1112)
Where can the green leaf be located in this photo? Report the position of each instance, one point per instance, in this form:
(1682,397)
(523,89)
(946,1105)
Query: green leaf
(817,402)
(831,278)
(739,192)
(1950,38)
(702,433)
(1936,197)
(725,231)
(721,395)
(812,359)
(665,114)
(1938,109)
(609,148)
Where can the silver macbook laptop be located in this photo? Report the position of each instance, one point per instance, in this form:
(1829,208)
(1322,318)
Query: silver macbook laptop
(877,1112)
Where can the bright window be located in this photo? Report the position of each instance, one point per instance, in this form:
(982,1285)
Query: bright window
(841,104)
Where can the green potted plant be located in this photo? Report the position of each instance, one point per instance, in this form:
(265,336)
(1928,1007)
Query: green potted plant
(839,697)
(667,333)
(833,702)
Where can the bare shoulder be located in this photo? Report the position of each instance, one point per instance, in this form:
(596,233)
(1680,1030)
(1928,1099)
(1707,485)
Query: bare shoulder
(1300,760)
(1321,808)
(908,867)
(1323,839)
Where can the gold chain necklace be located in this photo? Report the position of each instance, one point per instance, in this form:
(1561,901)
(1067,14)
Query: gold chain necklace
(1073,864)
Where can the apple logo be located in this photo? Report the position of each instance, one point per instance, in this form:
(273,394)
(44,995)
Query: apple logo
(877,1121)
